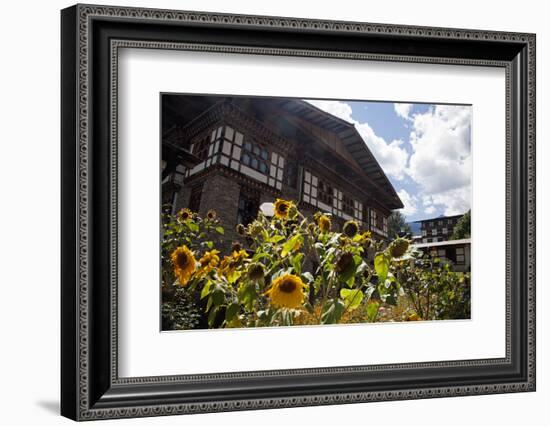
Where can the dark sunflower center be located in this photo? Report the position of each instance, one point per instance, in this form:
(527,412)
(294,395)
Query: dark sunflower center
(283,208)
(182,260)
(256,272)
(350,229)
(287,286)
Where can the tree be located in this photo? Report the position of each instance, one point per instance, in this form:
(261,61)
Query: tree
(397,225)
(462,228)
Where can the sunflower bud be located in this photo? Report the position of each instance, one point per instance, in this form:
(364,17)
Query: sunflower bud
(255,229)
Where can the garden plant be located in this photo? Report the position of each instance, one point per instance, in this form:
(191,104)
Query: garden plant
(290,269)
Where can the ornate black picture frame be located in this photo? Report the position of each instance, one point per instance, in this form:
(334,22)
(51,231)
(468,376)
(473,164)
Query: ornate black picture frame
(91,37)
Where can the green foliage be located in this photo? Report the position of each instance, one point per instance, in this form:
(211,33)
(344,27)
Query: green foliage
(180,312)
(462,228)
(352,298)
(372,311)
(434,290)
(330,277)
(397,224)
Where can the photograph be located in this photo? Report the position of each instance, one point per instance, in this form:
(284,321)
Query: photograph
(300,212)
(273,207)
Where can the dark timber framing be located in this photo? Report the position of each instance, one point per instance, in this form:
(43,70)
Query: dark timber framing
(290,134)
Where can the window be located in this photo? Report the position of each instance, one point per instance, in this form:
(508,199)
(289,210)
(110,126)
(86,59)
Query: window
(347,205)
(249,204)
(292,174)
(366,218)
(440,222)
(424,233)
(195,198)
(444,231)
(324,193)
(255,157)
(200,148)
(460,259)
(380,222)
(377,220)
(434,231)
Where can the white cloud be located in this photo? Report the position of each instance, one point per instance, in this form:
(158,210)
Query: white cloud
(441,162)
(430,210)
(337,108)
(409,201)
(391,156)
(403,110)
(453,202)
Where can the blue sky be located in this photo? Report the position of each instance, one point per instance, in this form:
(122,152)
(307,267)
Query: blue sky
(424,149)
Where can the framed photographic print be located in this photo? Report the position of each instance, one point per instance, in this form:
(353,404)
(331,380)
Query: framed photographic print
(263,212)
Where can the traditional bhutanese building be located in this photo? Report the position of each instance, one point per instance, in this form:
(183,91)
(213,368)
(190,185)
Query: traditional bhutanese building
(456,252)
(438,229)
(232,154)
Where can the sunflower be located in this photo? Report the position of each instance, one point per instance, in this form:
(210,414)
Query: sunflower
(211,214)
(184,264)
(256,271)
(282,208)
(209,261)
(229,263)
(351,228)
(287,291)
(323,221)
(236,246)
(255,228)
(185,214)
(238,256)
(343,262)
(241,230)
(399,247)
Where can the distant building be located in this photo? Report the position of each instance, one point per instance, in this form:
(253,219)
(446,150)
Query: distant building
(457,252)
(438,229)
(241,152)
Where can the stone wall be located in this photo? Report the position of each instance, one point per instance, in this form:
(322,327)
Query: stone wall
(221,194)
